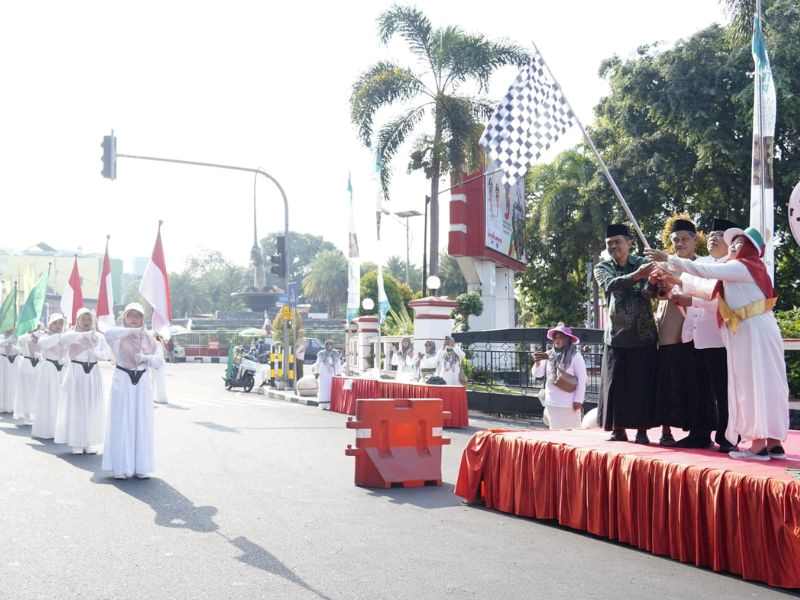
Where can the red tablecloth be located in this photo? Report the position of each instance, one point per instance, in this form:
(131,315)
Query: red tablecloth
(698,507)
(454,397)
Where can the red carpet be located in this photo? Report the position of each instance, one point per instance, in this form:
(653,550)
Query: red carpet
(454,397)
(695,506)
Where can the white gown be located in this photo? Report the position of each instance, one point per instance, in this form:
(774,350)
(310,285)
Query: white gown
(328,364)
(10,364)
(406,366)
(28,378)
(129,441)
(48,386)
(451,372)
(758,392)
(81,409)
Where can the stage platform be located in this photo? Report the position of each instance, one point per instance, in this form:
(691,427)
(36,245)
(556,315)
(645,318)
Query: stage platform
(696,506)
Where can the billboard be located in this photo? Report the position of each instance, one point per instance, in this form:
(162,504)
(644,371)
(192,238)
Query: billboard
(505,215)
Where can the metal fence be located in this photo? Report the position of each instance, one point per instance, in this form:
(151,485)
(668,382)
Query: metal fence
(500,367)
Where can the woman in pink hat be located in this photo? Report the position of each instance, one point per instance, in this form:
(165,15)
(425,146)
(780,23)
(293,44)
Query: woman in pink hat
(565,372)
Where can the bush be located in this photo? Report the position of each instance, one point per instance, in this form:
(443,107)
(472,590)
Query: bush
(789,322)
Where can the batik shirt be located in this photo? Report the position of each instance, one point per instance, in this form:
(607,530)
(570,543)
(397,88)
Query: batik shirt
(630,322)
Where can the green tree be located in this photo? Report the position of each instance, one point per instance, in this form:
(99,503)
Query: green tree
(453,282)
(326,281)
(396,267)
(675,131)
(398,294)
(204,286)
(450,59)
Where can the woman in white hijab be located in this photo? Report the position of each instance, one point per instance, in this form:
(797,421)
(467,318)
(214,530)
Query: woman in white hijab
(129,447)
(448,365)
(28,377)
(48,388)
(9,371)
(81,409)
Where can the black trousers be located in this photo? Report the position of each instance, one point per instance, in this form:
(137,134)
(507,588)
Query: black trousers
(715,361)
(627,398)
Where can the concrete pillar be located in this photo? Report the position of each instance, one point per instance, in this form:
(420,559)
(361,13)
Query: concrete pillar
(432,320)
(367,337)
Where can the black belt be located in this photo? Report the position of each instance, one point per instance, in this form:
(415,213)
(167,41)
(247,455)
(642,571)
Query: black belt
(33,359)
(134,375)
(11,357)
(87,366)
(56,364)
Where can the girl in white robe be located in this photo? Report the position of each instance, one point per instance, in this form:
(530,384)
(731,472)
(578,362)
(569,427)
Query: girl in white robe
(10,364)
(129,446)
(449,362)
(81,411)
(329,363)
(758,392)
(406,362)
(48,386)
(28,378)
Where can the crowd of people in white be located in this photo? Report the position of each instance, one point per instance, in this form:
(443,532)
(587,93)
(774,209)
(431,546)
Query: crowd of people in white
(49,380)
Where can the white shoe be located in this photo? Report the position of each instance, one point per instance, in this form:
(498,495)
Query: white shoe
(90,450)
(120,476)
(77,451)
(762,456)
(142,476)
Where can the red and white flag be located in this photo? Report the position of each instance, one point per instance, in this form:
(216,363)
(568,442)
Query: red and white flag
(105,297)
(72,296)
(155,288)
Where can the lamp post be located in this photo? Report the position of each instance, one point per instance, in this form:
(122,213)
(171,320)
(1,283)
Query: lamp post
(407,214)
(425,249)
(109,171)
(433,283)
(368,304)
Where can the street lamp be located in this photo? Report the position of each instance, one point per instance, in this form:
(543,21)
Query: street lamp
(367,304)
(407,214)
(433,283)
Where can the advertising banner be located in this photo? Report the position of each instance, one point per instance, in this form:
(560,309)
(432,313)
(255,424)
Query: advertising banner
(505,215)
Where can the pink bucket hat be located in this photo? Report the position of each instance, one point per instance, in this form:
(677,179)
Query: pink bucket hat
(561,328)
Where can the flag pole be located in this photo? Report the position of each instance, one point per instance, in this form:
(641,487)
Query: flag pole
(603,166)
(761,149)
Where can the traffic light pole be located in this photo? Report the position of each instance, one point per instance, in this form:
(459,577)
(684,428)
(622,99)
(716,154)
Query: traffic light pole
(285,224)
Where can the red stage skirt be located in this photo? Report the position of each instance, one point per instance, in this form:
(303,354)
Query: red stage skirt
(695,506)
(454,397)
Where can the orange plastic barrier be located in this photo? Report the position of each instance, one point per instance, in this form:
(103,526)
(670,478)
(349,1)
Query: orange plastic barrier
(398,442)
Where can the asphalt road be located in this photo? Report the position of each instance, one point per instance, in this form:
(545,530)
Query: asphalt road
(254,498)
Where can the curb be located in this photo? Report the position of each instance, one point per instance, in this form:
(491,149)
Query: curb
(288,397)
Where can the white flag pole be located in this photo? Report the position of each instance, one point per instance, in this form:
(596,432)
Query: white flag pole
(761,148)
(603,166)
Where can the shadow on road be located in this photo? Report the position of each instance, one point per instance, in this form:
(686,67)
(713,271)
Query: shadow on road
(173,509)
(226,429)
(427,497)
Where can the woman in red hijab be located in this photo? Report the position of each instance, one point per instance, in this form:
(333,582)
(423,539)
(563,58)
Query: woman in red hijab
(758,392)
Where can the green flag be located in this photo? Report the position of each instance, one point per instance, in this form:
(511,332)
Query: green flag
(8,311)
(31,312)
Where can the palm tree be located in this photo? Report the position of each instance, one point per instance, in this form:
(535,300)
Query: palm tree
(741,14)
(326,281)
(450,58)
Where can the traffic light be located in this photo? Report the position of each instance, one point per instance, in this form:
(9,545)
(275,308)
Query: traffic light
(278,259)
(109,147)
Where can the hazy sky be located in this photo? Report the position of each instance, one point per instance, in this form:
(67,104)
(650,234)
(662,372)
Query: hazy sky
(251,83)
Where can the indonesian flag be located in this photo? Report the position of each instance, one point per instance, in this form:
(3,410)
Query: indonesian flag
(105,297)
(155,288)
(72,296)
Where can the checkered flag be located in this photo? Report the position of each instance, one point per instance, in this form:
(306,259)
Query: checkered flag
(531,117)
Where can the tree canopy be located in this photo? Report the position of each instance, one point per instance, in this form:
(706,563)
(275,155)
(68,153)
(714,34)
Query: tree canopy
(676,132)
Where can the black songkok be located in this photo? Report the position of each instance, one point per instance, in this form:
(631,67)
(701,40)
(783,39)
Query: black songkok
(617,229)
(723,224)
(683,225)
